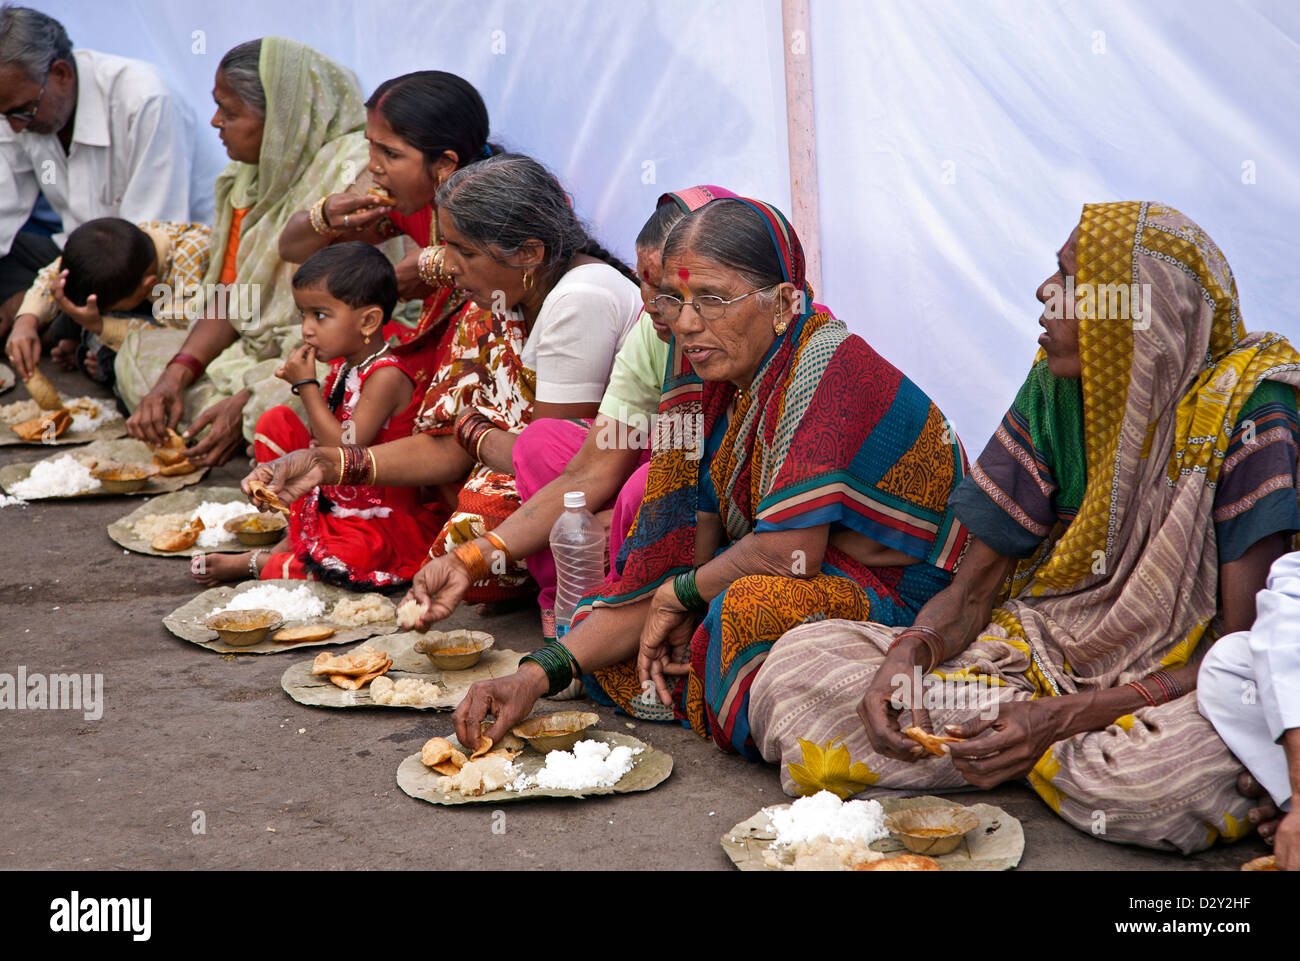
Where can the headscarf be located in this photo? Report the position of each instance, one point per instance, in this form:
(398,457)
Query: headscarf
(806,445)
(313,144)
(1130,585)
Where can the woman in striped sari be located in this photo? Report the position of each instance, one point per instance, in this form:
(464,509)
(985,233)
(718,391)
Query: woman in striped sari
(807,478)
(1124,514)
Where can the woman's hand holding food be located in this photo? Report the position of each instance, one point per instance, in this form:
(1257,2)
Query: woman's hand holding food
(886,699)
(160,409)
(665,642)
(438,587)
(508,699)
(350,214)
(294,474)
(1005,747)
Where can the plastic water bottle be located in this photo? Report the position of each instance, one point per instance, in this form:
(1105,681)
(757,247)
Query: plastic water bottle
(578,546)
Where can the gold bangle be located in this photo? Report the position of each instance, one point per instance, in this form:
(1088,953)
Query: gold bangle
(495,540)
(479,446)
(374,469)
(342,468)
(316,216)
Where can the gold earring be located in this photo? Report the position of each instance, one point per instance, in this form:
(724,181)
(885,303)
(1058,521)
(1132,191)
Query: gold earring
(367,340)
(528,280)
(781,326)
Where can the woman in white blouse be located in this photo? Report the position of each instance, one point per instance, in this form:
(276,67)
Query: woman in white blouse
(555,308)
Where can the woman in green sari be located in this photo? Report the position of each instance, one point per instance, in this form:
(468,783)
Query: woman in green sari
(293,124)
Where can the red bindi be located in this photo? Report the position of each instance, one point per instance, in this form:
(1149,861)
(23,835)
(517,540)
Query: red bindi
(683,274)
(645,275)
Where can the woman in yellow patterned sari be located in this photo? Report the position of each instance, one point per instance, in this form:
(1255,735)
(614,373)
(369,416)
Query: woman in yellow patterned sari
(1124,514)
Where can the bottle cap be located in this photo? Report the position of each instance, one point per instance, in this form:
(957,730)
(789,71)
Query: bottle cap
(575,499)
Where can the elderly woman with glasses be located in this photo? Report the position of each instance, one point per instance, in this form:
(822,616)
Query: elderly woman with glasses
(808,479)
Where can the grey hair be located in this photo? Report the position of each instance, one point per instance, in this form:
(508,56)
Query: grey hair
(31,40)
(733,234)
(509,199)
(240,68)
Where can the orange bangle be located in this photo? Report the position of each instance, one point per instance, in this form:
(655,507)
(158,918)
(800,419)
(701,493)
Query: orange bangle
(476,564)
(496,541)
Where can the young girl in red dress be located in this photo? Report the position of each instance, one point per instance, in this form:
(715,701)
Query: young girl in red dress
(358,537)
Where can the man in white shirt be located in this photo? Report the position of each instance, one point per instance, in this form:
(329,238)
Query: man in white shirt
(98,135)
(1249,689)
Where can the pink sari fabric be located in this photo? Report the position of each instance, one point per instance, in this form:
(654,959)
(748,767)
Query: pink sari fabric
(542,450)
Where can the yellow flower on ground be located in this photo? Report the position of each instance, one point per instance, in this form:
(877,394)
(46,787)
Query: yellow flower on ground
(830,768)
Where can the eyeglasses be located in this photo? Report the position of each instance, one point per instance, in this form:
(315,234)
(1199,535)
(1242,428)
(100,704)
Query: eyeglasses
(709,307)
(28,113)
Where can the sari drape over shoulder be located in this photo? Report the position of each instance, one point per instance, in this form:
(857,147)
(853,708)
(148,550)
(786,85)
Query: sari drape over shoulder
(313,144)
(828,433)
(1113,489)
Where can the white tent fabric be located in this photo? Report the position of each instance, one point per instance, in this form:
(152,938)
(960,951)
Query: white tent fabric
(957,140)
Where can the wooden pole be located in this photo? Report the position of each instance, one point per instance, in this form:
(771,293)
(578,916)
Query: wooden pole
(801,135)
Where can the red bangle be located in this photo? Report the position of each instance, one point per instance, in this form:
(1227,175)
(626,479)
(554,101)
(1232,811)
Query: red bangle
(1141,689)
(190,363)
(929,637)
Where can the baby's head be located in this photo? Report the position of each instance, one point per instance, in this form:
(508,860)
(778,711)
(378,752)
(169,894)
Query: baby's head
(345,294)
(113,259)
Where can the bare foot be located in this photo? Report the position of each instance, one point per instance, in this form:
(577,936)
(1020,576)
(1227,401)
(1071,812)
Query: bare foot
(65,354)
(1266,817)
(212,569)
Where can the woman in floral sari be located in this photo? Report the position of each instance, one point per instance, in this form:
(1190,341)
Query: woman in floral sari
(807,479)
(551,307)
(1124,514)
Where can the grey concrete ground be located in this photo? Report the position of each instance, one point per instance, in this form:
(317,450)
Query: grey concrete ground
(280,785)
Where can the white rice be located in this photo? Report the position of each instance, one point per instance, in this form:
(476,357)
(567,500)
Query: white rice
(359,611)
(299,604)
(823,815)
(408,691)
(591,764)
(214,516)
(7,501)
(59,477)
(86,422)
(25,410)
(19,411)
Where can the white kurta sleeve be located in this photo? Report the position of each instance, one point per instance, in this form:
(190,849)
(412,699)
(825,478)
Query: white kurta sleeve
(158,184)
(18,190)
(1275,645)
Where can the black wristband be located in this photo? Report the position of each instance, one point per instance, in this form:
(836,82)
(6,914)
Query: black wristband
(295,387)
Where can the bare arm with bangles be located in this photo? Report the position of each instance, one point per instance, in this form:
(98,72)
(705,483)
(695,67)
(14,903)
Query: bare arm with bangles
(596,470)
(611,635)
(421,459)
(322,224)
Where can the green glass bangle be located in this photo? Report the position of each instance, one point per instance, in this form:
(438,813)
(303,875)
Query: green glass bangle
(687,593)
(556,664)
(573,661)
